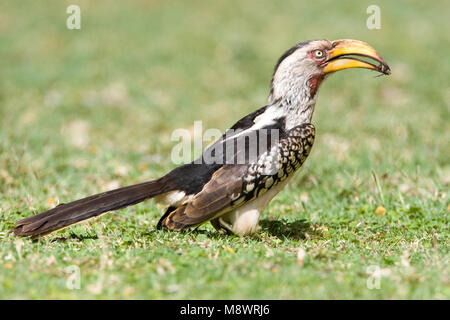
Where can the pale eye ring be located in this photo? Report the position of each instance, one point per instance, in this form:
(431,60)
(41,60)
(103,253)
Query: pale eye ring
(318,54)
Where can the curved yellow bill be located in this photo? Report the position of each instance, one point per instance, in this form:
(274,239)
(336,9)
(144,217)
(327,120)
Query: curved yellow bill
(348,53)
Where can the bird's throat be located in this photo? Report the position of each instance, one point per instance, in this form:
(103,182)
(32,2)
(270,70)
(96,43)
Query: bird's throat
(314,84)
(296,99)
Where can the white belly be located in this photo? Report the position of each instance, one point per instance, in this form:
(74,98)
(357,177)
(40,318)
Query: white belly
(245,219)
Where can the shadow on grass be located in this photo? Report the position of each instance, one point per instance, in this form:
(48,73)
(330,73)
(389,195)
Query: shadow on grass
(72,236)
(212,234)
(283,228)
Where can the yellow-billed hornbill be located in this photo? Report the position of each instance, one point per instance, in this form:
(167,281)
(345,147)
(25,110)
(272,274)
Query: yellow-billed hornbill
(236,177)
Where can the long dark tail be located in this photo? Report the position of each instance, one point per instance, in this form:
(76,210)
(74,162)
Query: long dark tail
(67,214)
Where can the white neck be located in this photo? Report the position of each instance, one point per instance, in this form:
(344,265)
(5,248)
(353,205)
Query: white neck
(291,94)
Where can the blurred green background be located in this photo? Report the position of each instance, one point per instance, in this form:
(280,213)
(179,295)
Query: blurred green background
(83,111)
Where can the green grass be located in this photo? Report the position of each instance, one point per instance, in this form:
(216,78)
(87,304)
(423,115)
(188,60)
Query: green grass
(83,111)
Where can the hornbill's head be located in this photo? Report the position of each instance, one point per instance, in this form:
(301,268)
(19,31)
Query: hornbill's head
(301,69)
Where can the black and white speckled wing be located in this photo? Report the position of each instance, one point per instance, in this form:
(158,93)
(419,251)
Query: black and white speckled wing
(192,177)
(234,185)
(279,163)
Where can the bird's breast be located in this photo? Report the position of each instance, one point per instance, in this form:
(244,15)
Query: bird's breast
(277,164)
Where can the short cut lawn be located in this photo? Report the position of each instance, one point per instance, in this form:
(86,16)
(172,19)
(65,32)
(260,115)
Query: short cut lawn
(84,111)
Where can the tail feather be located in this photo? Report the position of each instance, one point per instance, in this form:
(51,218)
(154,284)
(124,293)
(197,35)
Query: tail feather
(70,213)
